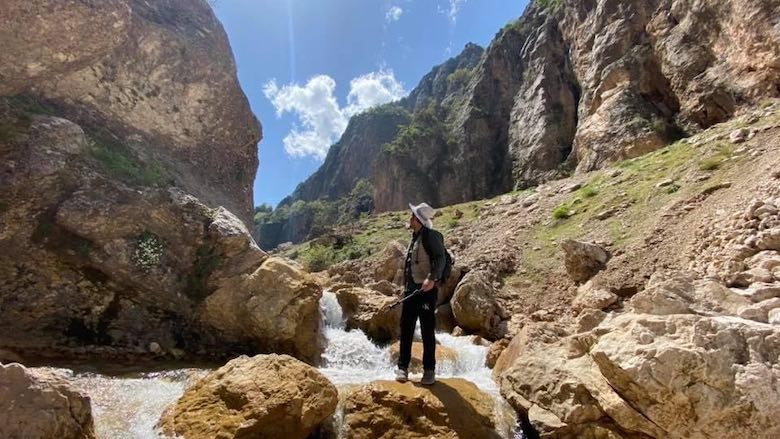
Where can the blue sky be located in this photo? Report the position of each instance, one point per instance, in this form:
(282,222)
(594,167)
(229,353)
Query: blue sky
(308,65)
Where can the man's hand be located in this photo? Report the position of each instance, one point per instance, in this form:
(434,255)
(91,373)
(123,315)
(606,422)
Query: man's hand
(428,285)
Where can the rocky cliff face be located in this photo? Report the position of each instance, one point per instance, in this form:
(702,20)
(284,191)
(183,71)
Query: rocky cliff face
(156,77)
(573,86)
(127,151)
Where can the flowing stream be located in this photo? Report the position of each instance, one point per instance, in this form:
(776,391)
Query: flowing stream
(127,405)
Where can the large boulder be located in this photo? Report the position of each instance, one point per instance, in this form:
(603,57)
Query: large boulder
(475,308)
(390,265)
(41,404)
(447,288)
(679,369)
(583,259)
(266,396)
(452,408)
(124,131)
(370,311)
(276,307)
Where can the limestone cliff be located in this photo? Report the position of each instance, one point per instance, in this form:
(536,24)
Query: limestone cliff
(157,77)
(127,152)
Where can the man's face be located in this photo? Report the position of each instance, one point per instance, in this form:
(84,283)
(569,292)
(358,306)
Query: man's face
(412,221)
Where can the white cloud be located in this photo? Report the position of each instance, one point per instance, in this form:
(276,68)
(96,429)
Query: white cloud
(322,119)
(452,11)
(372,89)
(393,14)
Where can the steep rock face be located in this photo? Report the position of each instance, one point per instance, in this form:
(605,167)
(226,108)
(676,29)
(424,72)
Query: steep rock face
(544,117)
(351,158)
(92,265)
(162,82)
(127,153)
(41,38)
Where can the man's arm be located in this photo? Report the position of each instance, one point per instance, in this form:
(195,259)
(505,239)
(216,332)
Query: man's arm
(434,245)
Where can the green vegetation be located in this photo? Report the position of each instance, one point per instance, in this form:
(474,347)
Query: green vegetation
(589,191)
(389,109)
(315,218)
(550,4)
(459,77)
(119,162)
(148,251)
(318,257)
(426,128)
(562,212)
(9,131)
(723,153)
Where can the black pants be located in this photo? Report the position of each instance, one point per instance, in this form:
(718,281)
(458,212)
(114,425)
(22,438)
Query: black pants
(424,307)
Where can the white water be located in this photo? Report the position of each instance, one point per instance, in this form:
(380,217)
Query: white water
(128,406)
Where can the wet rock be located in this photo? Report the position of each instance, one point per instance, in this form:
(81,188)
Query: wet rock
(443,354)
(445,318)
(42,404)
(370,312)
(495,351)
(260,396)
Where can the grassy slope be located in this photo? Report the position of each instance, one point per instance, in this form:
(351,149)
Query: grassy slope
(693,165)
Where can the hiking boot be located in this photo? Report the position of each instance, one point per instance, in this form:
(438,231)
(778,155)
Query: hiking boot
(401,375)
(429,377)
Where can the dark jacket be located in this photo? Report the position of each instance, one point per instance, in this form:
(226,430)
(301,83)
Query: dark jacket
(425,257)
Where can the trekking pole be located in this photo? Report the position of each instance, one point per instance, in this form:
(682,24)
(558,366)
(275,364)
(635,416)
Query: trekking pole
(414,293)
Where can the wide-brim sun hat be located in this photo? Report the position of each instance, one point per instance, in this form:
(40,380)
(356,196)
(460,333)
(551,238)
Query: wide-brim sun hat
(424,213)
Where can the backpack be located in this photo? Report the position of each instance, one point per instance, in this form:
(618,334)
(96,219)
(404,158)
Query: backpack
(449,261)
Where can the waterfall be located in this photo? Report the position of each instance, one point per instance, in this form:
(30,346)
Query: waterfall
(351,358)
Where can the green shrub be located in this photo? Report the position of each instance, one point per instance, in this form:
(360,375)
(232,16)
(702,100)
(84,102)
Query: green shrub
(589,191)
(453,222)
(148,251)
(318,257)
(550,4)
(120,163)
(710,164)
(562,212)
(459,77)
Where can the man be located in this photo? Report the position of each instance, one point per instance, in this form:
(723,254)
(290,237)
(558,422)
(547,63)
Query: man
(425,261)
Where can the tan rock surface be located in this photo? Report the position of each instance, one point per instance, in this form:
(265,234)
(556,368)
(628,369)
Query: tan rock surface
(266,396)
(42,404)
(474,306)
(276,306)
(452,408)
